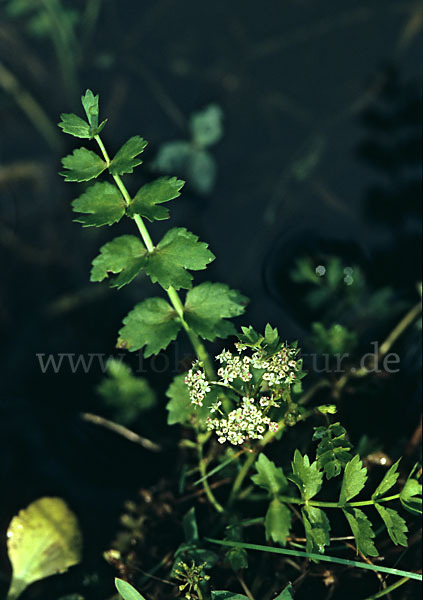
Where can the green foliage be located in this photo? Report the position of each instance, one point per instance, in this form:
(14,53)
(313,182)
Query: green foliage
(389,480)
(269,477)
(124,255)
(277,521)
(333,451)
(396,526)
(306,476)
(362,531)
(82,165)
(127,591)
(317,529)
(147,201)
(355,477)
(410,496)
(332,340)
(126,159)
(192,550)
(101,204)
(128,396)
(237,557)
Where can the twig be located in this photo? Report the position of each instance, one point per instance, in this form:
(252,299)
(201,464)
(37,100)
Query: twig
(122,431)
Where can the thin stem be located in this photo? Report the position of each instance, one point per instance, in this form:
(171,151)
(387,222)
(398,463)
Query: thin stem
(317,503)
(389,589)
(202,464)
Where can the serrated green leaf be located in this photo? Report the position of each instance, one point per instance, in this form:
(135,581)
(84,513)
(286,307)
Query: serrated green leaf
(127,591)
(317,529)
(125,159)
(82,165)
(152,323)
(306,476)
(410,496)
(362,531)
(150,196)
(355,477)
(178,251)
(90,104)
(124,255)
(179,406)
(333,450)
(101,204)
(42,540)
(277,522)
(396,526)
(208,305)
(269,476)
(387,482)
(286,594)
(74,125)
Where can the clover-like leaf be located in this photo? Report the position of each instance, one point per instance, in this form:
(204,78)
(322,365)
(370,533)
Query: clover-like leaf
(152,323)
(269,476)
(124,255)
(74,125)
(355,477)
(317,529)
(362,531)
(306,476)
(277,521)
(126,159)
(396,526)
(207,307)
(390,479)
(101,204)
(127,591)
(82,165)
(42,540)
(178,251)
(150,196)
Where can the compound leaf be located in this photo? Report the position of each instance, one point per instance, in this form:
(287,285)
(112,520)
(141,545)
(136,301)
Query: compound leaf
(82,165)
(387,482)
(101,204)
(42,540)
(127,591)
(306,476)
(410,496)
(333,450)
(208,305)
(124,255)
(362,531)
(152,323)
(317,529)
(269,476)
(125,159)
(396,526)
(75,126)
(178,251)
(148,198)
(277,521)
(355,477)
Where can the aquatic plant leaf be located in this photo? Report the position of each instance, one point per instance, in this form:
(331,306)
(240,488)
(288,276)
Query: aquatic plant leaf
(362,531)
(306,476)
(152,323)
(390,479)
(74,125)
(82,165)
(178,251)
(127,591)
(317,529)
(42,540)
(150,196)
(396,526)
(333,451)
(101,204)
(124,255)
(125,159)
(355,477)
(207,307)
(269,476)
(277,522)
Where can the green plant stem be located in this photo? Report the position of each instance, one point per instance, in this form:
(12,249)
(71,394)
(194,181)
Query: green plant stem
(389,589)
(174,298)
(202,464)
(317,503)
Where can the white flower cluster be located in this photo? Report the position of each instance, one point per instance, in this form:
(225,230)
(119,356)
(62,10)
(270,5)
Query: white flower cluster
(235,367)
(198,386)
(245,422)
(280,368)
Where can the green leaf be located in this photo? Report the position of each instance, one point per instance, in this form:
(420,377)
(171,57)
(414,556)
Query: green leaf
(277,522)
(206,126)
(180,407)
(306,476)
(387,482)
(208,305)
(220,595)
(269,476)
(124,255)
(127,591)
(90,104)
(355,477)
(286,594)
(410,496)
(178,251)
(101,204)
(190,526)
(237,558)
(396,526)
(82,165)
(152,323)
(362,531)
(75,126)
(42,540)
(125,160)
(333,450)
(148,198)
(317,529)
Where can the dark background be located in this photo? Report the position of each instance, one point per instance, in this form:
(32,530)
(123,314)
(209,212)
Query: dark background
(333,85)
